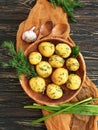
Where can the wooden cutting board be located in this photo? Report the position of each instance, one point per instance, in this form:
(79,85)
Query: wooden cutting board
(40,13)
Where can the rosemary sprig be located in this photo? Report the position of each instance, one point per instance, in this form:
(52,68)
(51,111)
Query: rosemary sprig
(68,6)
(83,107)
(19,61)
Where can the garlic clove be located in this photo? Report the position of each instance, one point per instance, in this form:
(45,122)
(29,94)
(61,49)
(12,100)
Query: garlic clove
(29,36)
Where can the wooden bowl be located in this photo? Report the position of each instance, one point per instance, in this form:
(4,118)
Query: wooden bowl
(43,98)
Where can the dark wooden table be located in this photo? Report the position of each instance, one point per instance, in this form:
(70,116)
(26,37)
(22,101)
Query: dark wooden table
(12,98)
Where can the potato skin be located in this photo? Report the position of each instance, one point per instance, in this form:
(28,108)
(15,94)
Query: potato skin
(54,91)
(63,50)
(44,69)
(46,49)
(56,61)
(35,58)
(73,82)
(72,64)
(37,84)
(60,76)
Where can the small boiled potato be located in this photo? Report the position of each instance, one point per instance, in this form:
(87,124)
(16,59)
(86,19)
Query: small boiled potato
(72,64)
(44,69)
(46,49)
(37,84)
(60,76)
(73,82)
(63,50)
(54,91)
(56,61)
(35,58)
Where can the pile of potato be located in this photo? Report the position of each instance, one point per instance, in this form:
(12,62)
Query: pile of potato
(54,61)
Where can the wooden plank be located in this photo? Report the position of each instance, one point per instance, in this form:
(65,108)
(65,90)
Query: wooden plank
(12,97)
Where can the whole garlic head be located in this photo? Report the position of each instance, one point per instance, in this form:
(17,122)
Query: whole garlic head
(29,36)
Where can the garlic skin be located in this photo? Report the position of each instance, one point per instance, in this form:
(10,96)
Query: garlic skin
(29,36)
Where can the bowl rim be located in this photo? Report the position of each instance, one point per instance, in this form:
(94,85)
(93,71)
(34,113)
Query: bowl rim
(45,102)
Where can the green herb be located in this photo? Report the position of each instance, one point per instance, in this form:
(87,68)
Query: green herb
(19,61)
(68,6)
(75,51)
(54,2)
(83,107)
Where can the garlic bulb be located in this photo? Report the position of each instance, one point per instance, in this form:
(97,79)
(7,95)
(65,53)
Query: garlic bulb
(29,36)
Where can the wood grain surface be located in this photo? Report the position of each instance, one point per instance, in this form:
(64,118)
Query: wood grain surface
(12,98)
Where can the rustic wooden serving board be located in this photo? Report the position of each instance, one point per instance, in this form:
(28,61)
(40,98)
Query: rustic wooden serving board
(42,12)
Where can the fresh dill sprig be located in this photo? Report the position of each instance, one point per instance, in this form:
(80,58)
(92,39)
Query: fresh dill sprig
(68,6)
(53,2)
(19,61)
